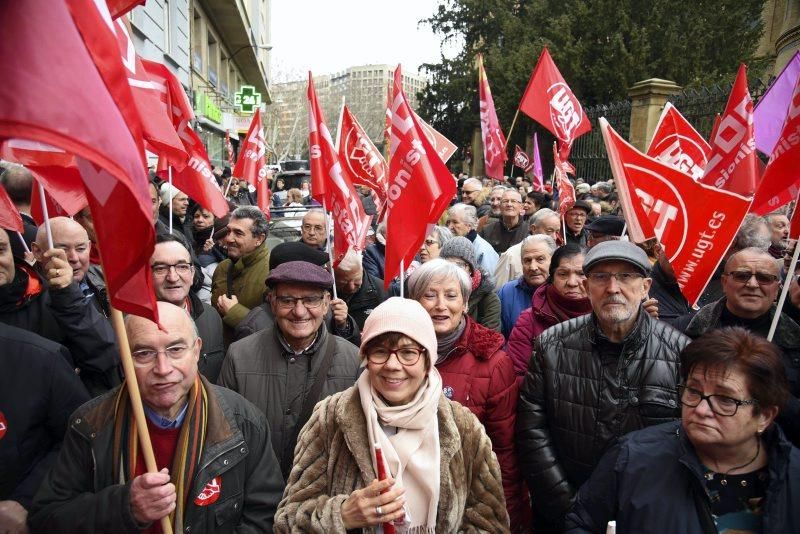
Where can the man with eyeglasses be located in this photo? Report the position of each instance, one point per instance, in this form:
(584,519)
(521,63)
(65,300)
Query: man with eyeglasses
(575,221)
(509,229)
(750,284)
(593,379)
(172,272)
(217,470)
(313,231)
(294,362)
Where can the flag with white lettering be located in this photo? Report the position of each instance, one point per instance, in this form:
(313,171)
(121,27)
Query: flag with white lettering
(332,185)
(694,222)
(677,143)
(252,164)
(549,101)
(443,146)
(420,185)
(494,142)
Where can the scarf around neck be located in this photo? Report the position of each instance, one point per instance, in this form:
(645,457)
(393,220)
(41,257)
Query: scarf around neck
(565,308)
(445,343)
(412,454)
(189,448)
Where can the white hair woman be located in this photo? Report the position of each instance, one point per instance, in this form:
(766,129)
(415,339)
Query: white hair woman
(475,371)
(392,448)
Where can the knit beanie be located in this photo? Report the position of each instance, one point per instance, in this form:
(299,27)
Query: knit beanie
(404,316)
(168,192)
(460,247)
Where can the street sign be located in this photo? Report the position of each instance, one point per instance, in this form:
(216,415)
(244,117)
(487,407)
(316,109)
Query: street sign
(247,99)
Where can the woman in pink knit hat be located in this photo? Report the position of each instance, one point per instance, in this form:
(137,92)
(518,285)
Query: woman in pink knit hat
(392,452)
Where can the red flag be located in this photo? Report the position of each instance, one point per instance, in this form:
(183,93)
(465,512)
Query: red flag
(10,219)
(361,159)
(676,143)
(97,126)
(158,132)
(229,147)
(252,164)
(733,162)
(349,220)
(522,160)
(387,125)
(117,8)
(694,222)
(441,145)
(420,186)
(494,142)
(781,183)
(794,224)
(195,178)
(549,101)
(566,192)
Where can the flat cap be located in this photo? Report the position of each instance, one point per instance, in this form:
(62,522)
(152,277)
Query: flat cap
(295,251)
(300,272)
(617,251)
(607,225)
(582,205)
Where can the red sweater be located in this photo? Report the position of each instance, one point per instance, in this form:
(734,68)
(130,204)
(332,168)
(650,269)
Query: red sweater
(164,443)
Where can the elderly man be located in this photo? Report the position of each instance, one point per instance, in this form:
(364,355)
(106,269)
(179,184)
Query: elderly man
(575,220)
(360,290)
(509,267)
(180,205)
(472,195)
(750,283)
(516,295)
(509,229)
(238,283)
(593,379)
(209,443)
(38,392)
(172,271)
(604,228)
(462,220)
(18,183)
(287,367)
(313,231)
(779,233)
(495,199)
(57,305)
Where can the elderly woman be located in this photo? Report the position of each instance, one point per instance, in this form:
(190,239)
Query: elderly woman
(393,449)
(475,371)
(724,467)
(560,298)
(433,244)
(483,302)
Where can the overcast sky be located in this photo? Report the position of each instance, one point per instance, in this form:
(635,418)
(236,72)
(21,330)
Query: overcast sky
(326,36)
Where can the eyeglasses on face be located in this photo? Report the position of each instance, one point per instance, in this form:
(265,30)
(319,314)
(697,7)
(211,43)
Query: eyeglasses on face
(161,269)
(145,357)
(510,201)
(763,279)
(431,242)
(626,278)
(317,229)
(310,303)
(720,404)
(405,355)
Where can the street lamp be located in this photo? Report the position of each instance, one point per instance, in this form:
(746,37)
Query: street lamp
(258,47)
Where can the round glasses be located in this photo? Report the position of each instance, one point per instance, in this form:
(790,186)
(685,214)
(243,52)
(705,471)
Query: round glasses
(405,355)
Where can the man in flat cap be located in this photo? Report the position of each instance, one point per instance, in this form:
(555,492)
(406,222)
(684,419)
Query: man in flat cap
(575,221)
(287,367)
(604,228)
(594,378)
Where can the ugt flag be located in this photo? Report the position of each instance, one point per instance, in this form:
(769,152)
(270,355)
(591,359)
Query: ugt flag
(494,142)
(694,222)
(521,159)
(676,143)
(362,160)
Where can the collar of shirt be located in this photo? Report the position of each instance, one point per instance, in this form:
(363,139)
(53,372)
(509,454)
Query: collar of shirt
(87,291)
(163,422)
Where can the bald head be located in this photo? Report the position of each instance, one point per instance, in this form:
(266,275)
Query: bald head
(174,319)
(18,183)
(70,237)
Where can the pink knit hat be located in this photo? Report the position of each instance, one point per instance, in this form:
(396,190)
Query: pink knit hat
(404,316)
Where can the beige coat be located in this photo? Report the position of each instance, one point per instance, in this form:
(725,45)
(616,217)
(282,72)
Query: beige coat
(333,459)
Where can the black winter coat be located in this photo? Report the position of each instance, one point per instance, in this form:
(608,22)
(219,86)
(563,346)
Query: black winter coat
(647,483)
(366,299)
(79,495)
(209,326)
(38,392)
(577,399)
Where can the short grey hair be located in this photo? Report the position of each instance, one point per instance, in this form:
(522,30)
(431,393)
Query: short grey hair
(541,215)
(465,212)
(539,238)
(500,188)
(748,235)
(443,234)
(472,181)
(435,270)
(260,223)
(315,211)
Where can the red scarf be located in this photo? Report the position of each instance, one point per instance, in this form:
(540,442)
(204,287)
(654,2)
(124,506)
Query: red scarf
(565,308)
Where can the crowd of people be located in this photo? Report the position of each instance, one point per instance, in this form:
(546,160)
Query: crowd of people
(538,374)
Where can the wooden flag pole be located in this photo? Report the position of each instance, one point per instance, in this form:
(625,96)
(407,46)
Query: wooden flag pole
(511,129)
(136,402)
(784,291)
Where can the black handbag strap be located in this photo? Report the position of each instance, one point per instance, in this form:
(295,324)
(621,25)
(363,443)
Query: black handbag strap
(704,512)
(309,402)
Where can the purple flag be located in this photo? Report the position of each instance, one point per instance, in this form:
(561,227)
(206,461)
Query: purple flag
(537,165)
(770,113)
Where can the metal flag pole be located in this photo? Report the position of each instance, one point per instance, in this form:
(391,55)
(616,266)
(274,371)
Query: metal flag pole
(328,245)
(24,244)
(402,276)
(169,196)
(784,291)
(46,216)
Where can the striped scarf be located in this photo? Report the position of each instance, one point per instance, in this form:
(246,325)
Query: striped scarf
(188,450)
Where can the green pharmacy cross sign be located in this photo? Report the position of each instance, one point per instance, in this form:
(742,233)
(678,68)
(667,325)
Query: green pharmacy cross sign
(246,99)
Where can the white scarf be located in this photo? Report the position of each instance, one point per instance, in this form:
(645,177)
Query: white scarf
(412,454)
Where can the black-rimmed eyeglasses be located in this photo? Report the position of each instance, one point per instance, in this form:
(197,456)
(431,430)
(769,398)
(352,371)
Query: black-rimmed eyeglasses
(720,404)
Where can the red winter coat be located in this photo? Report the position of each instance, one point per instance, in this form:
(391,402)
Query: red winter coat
(479,375)
(530,323)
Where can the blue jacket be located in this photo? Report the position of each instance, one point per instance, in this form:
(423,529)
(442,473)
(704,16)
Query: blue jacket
(515,296)
(374,258)
(646,483)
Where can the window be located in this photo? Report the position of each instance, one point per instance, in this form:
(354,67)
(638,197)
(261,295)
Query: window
(213,59)
(197,42)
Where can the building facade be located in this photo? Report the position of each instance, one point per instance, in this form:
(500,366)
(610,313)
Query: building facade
(364,89)
(781,39)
